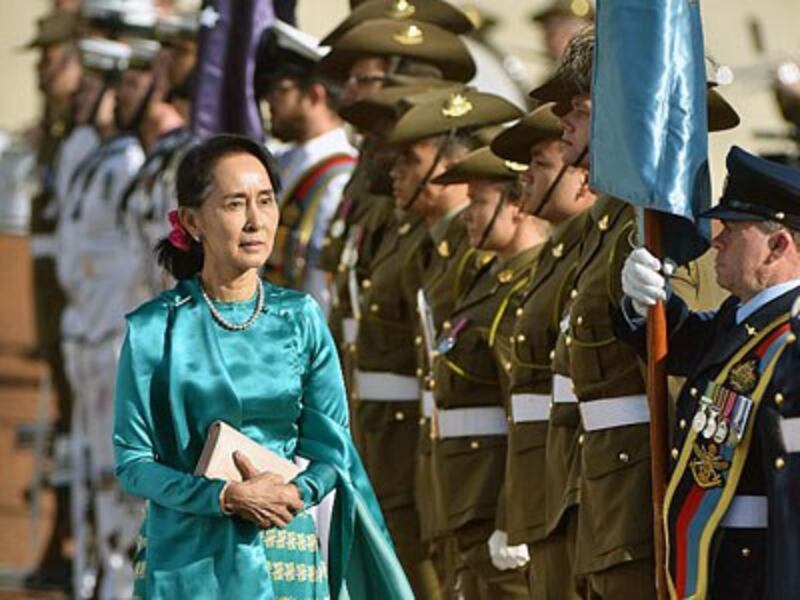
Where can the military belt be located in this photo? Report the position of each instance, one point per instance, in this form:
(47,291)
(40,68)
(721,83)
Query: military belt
(469,422)
(746,512)
(350,330)
(790,431)
(427,404)
(386,387)
(530,408)
(614,412)
(563,390)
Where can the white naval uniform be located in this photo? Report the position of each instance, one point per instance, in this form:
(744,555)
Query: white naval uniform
(95,264)
(294,162)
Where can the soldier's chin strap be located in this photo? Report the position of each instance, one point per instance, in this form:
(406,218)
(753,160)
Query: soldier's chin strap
(549,193)
(490,225)
(141,110)
(440,150)
(109,79)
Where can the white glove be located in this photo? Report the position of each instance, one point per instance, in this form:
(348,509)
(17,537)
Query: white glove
(505,557)
(642,280)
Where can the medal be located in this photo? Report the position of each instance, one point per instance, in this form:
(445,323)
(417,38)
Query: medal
(449,339)
(564,324)
(711,425)
(699,421)
(337,229)
(722,432)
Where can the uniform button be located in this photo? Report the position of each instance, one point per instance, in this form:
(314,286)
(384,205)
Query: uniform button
(791,338)
(693,392)
(624,457)
(509,419)
(780,463)
(581,439)
(446,326)
(474,444)
(521,338)
(778,398)
(682,423)
(552,354)
(418,340)
(351,348)
(579,321)
(373,308)
(353,396)
(520,312)
(420,372)
(573,294)
(508,366)
(511,339)
(366,284)
(422,421)
(326,241)
(399,416)
(341,268)
(675,454)
(568,341)
(432,384)
(746,552)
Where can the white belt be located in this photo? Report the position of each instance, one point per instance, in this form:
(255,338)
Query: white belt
(562,390)
(530,408)
(468,422)
(350,330)
(386,387)
(427,404)
(614,412)
(746,512)
(790,431)
(42,245)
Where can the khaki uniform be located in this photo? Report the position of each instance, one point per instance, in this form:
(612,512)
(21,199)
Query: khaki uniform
(387,406)
(614,516)
(469,446)
(527,330)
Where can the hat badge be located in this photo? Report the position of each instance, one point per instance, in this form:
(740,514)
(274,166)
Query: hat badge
(411,35)
(401,9)
(515,167)
(579,8)
(457,105)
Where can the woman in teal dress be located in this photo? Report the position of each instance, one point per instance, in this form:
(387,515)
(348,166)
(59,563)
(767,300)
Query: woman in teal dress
(225,345)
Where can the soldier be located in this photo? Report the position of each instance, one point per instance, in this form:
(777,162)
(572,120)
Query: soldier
(469,423)
(533,495)
(94,265)
(177,34)
(594,369)
(317,164)
(729,511)
(560,21)
(367,208)
(431,135)
(58,73)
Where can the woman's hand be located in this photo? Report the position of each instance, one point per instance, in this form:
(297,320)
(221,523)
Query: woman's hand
(262,498)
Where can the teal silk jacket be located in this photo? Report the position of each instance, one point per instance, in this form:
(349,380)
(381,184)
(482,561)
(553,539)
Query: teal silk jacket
(174,381)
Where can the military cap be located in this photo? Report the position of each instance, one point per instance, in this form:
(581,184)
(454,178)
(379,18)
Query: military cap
(373,113)
(437,12)
(445,111)
(137,17)
(54,28)
(581,9)
(758,189)
(481,164)
(515,143)
(285,51)
(144,53)
(106,56)
(574,74)
(405,39)
(170,29)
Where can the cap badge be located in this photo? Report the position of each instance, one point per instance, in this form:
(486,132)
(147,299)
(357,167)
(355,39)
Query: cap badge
(602,224)
(457,105)
(579,8)
(505,276)
(516,167)
(411,35)
(558,250)
(443,249)
(401,9)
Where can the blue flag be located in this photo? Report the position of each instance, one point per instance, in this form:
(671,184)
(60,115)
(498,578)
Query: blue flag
(649,143)
(224,96)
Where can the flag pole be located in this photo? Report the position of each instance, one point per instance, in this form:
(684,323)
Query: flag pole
(658,399)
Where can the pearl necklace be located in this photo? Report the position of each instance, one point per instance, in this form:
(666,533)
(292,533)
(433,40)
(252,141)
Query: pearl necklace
(235,326)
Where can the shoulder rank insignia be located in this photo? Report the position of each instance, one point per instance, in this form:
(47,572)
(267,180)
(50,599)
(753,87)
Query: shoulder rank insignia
(443,249)
(707,466)
(743,378)
(558,250)
(505,276)
(404,228)
(751,331)
(411,35)
(602,224)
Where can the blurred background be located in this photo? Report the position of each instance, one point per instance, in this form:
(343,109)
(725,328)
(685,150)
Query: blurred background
(753,45)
